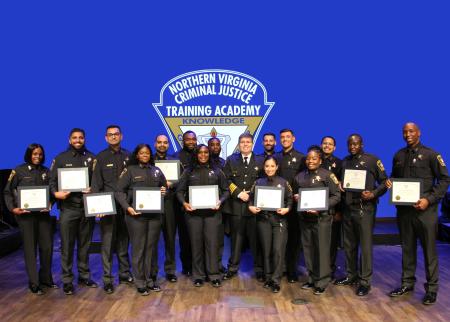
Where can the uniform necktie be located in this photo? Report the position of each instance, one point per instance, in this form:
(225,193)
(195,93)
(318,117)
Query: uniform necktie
(246,161)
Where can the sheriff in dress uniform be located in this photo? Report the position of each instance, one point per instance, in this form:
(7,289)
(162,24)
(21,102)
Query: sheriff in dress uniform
(420,220)
(75,227)
(359,215)
(35,226)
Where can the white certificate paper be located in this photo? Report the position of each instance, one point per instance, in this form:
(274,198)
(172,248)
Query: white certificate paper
(313,199)
(170,169)
(405,192)
(269,199)
(148,200)
(99,203)
(34,199)
(203,197)
(73,179)
(354,179)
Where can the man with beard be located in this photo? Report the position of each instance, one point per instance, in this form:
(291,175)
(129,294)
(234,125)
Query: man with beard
(214,150)
(269,142)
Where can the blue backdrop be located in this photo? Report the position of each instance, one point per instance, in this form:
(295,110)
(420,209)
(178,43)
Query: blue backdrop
(330,67)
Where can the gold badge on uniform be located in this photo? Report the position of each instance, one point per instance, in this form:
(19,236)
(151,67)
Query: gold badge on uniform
(380,165)
(441,161)
(11,176)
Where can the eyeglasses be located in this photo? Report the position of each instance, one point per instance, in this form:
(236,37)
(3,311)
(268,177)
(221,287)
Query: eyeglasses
(110,135)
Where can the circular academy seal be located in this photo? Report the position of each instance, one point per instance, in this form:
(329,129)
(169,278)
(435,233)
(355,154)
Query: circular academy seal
(347,184)
(92,210)
(25,206)
(397,198)
(141,206)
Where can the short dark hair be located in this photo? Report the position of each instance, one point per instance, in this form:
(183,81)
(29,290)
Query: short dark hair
(113,126)
(76,129)
(357,135)
(245,135)
(329,137)
(213,138)
(315,148)
(134,160)
(29,152)
(271,157)
(286,130)
(271,134)
(189,132)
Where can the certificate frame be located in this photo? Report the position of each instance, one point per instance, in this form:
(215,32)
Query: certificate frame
(140,209)
(85,174)
(211,205)
(91,212)
(353,189)
(394,200)
(174,163)
(327,199)
(257,195)
(19,197)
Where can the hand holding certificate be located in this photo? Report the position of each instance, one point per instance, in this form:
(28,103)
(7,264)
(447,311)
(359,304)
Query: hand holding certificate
(204,197)
(354,180)
(313,199)
(269,198)
(405,191)
(33,198)
(99,204)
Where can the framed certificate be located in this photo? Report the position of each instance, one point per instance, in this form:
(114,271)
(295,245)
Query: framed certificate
(313,199)
(148,200)
(170,169)
(269,198)
(354,180)
(203,197)
(406,191)
(33,198)
(99,204)
(73,179)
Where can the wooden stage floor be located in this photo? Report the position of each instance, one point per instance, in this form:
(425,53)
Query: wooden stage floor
(241,299)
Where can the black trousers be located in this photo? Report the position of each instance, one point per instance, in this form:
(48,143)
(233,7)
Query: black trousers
(75,227)
(204,233)
(183,237)
(316,240)
(114,236)
(336,233)
(222,228)
(240,228)
(37,233)
(294,245)
(273,234)
(422,225)
(358,233)
(144,234)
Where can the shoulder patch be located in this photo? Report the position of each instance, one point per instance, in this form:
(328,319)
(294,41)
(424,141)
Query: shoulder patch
(335,180)
(441,161)
(288,186)
(123,173)
(52,165)
(94,164)
(11,176)
(380,165)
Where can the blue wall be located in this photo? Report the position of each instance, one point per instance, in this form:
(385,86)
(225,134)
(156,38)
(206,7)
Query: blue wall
(330,67)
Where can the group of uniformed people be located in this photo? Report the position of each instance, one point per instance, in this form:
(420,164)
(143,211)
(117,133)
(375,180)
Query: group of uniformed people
(275,238)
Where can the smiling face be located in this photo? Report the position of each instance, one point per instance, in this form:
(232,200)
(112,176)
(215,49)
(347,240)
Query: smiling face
(214,146)
(77,140)
(37,156)
(354,145)
(269,143)
(190,141)
(270,167)
(162,144)
(328,146)
(287,140)
(313,160)
(203,155)
(245,145)
(411,134)
(143,155)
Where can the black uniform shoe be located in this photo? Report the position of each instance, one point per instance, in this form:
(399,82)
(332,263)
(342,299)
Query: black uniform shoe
(154,288)
(172,278)
(292,278)
(260,277)
(186,272)
(49,285)
(87,282)
(401,291)
(35,289)
(68,288)
(307,286)
(126,280)
(143,291)
(363,290)
(229,275)
(319,290)
(275,288)
(345,281)
(198,283)
(108,288)
(429,298)
(216,283)
(268,284)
